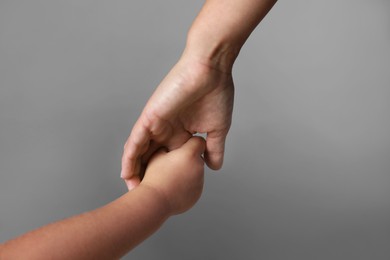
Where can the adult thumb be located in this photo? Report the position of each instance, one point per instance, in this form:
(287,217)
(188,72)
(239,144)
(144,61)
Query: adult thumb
(215,149)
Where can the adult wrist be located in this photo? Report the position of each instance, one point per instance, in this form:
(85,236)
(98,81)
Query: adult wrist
(218,54)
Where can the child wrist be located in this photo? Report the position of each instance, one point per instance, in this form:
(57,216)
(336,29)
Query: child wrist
(161,199)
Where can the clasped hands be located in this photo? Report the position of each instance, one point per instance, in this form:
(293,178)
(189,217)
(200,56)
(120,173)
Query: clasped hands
(193,98)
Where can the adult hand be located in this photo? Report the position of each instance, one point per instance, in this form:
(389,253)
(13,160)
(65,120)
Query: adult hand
(193,98)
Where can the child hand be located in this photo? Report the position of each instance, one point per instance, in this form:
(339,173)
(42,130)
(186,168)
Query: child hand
(177,175)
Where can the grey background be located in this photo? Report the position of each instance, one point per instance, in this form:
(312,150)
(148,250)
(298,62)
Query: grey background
(307,166)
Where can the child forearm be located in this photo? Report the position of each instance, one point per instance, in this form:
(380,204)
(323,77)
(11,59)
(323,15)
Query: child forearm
(105,233)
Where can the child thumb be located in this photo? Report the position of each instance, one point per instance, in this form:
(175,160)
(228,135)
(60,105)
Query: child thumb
(195,145)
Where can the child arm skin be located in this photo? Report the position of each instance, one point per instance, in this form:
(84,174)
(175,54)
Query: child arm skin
(172,184)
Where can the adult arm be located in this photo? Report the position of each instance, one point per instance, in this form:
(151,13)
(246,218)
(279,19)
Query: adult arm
(221,29)
(197,94)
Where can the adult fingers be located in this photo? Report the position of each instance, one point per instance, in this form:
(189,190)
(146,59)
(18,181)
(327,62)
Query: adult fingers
(136,145)
(153,147)
(132,182)
(215,149)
